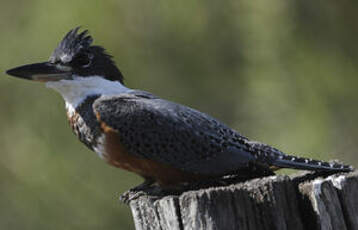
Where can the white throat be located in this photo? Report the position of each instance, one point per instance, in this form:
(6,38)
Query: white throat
(76,90)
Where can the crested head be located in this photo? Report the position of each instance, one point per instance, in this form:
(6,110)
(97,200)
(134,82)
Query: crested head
(76,69)
(71,45)
(76,53)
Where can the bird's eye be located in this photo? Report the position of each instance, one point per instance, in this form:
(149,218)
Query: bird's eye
(82,60)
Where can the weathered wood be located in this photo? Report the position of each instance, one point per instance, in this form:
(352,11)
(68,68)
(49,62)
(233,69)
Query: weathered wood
(332,202)
(276,202)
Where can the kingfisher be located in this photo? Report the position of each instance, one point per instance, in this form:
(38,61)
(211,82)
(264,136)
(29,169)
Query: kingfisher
(166,143)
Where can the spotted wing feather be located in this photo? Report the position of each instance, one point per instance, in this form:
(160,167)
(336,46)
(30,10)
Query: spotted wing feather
(173,134)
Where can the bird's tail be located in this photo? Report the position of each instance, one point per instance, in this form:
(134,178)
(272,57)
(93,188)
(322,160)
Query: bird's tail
(277,159)
(287,161)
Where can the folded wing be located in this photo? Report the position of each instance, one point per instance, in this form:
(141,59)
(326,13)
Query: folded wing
(169,133)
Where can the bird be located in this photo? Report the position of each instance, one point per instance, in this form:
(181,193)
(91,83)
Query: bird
(166,143)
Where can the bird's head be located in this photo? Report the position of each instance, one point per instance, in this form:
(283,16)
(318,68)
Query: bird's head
(74,57)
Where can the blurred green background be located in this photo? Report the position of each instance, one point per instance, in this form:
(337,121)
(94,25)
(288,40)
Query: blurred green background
(281,72)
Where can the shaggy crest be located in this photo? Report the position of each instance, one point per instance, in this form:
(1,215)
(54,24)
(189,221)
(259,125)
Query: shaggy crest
(71,45)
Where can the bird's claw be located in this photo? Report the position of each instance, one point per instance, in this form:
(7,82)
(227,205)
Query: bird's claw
(130,195)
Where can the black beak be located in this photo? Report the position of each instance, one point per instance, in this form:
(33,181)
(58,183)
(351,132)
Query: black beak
(43,72)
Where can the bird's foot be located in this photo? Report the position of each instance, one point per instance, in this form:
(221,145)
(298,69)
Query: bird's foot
(136,192)
(130,195)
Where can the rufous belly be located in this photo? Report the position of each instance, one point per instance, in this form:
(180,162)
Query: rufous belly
(117,155)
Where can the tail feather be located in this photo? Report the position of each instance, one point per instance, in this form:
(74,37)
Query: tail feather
(287,161)
(277,159)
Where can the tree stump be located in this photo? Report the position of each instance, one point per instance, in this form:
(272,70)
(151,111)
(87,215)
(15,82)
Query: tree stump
(277,202)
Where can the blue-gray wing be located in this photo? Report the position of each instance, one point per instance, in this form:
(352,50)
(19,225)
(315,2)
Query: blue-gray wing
(173,134)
